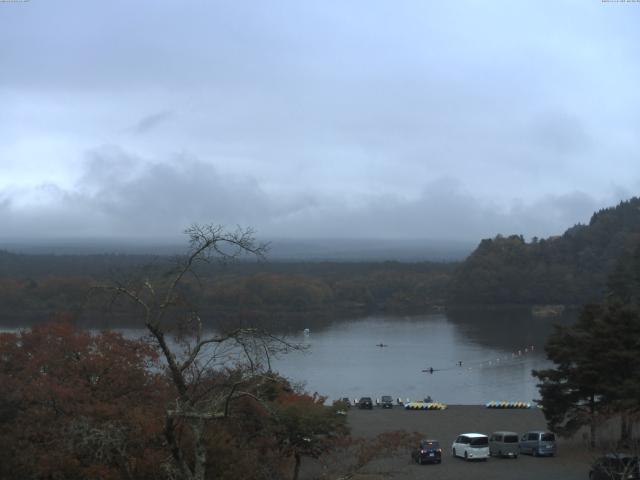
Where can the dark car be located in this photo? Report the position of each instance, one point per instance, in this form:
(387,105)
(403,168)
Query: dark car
(429,451)
(386,401)
(365,402)
(615,466)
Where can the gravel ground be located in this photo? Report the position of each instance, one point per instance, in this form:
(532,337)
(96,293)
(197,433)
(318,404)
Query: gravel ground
(571,463)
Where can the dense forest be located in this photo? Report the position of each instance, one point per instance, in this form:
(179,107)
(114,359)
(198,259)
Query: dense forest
(36,287)
(569,269)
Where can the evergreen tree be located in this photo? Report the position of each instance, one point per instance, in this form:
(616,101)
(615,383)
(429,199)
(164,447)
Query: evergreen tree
(597,368)
(624,283)
(569,269)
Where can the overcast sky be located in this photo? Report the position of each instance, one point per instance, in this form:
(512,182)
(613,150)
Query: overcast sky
(386,119)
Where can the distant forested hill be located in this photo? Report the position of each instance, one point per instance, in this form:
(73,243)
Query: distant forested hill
(34,288)
(568,269)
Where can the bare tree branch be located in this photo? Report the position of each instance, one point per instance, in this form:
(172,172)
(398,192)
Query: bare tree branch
(196,371)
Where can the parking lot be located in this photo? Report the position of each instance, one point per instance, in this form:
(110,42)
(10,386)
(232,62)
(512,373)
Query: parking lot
(571,463)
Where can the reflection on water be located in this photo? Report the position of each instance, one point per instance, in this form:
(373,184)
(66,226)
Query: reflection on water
(500,327)
(493,345)
(495,351)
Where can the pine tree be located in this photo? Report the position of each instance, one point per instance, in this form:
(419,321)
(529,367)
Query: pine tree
(597,369)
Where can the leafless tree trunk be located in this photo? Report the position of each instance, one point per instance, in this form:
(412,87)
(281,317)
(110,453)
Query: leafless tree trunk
(592,421)
(626,428)
(187,365)
(296,468)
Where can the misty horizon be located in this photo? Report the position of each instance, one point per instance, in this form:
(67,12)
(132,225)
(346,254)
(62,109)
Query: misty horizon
(279,249)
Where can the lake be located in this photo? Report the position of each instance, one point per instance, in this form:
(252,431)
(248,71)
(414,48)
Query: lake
(497,349)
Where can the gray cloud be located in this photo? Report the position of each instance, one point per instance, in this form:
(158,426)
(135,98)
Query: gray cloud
(364,118)
(123,195)
(446,211)
(561,134)
(150,122)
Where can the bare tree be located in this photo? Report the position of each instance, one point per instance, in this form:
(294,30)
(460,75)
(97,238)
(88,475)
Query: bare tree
(195,356)
(615,461)
(357,454)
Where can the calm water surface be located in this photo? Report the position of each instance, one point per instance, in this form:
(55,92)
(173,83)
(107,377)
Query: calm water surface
(494,348)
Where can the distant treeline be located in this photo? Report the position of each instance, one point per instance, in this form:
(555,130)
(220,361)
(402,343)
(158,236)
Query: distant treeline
(572,269)
(568,269)
(34,288)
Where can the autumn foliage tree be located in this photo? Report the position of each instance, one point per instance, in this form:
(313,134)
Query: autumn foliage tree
(76,405)
(305,427)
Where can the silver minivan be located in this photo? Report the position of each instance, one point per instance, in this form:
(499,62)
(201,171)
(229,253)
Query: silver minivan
(504,444)
(538,443)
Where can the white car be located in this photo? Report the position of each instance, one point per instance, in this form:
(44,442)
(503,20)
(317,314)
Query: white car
(471,446)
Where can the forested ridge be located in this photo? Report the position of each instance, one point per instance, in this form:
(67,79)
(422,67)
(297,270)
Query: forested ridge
(595,362)
(569,269)
(36,287)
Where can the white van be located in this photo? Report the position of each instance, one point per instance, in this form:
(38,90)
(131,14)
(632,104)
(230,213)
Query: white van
(471,446)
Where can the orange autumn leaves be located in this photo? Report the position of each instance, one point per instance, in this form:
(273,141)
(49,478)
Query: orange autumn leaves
(77,405)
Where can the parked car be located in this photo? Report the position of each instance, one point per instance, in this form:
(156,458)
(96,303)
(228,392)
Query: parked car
(615,466)
(504,444)
(538,443)
(471,446)
(428,451)
(346,402)
(386,401)
(365,402)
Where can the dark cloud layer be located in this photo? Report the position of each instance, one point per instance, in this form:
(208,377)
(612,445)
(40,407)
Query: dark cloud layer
(381,119)
(120,194)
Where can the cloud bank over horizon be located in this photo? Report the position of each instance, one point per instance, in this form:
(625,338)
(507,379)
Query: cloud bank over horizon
(366,119)
(119,194)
